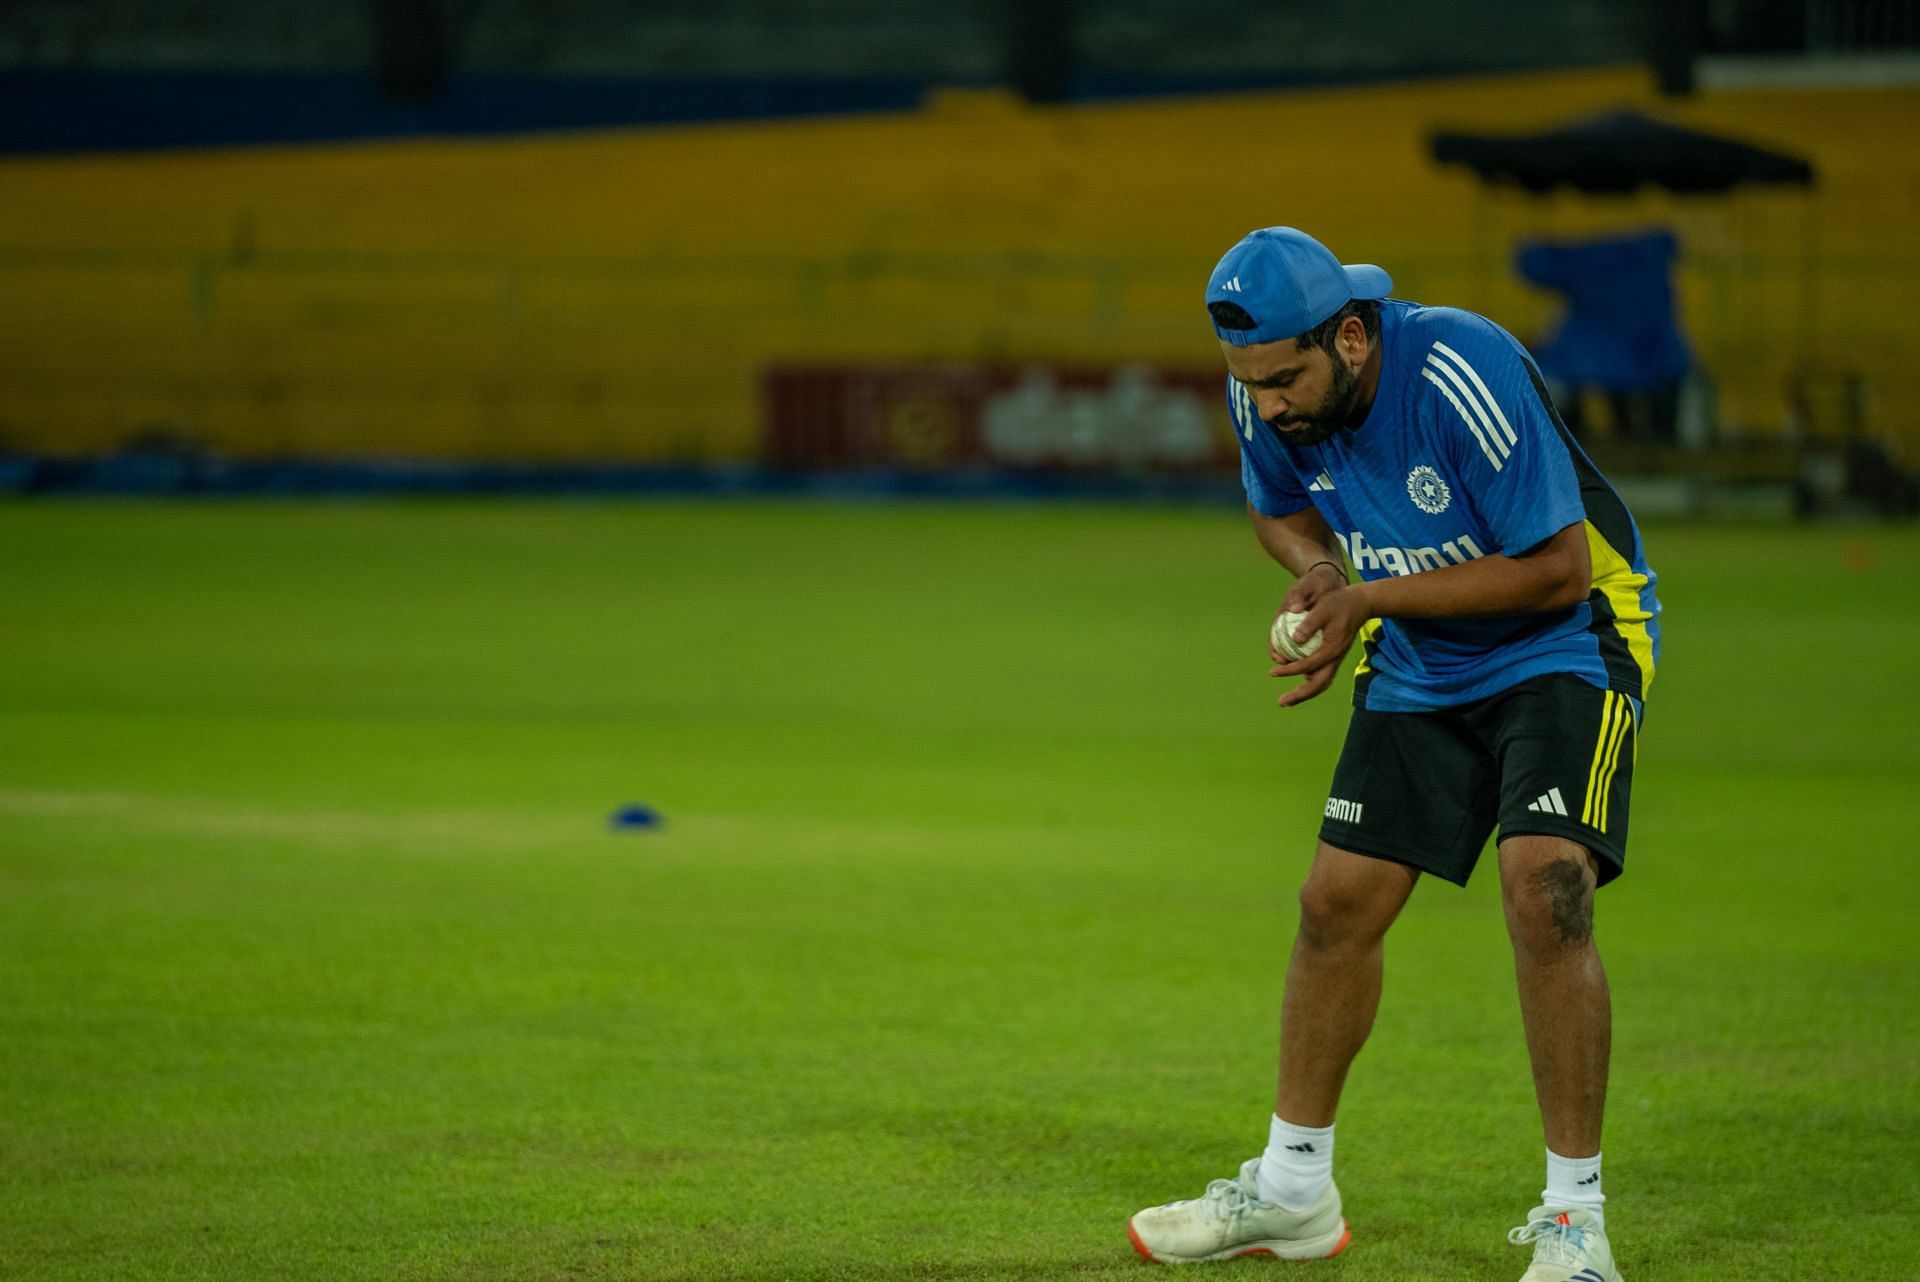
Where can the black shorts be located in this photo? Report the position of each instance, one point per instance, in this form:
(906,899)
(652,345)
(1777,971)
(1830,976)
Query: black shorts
(1552,755)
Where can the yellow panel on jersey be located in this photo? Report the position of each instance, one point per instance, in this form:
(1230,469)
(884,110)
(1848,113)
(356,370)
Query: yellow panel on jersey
(1369,633)
(1622,585)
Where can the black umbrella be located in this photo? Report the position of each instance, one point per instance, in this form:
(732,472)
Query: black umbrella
(1617,152)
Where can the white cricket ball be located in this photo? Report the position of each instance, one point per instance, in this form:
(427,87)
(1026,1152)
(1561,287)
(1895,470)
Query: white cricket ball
(1283,636)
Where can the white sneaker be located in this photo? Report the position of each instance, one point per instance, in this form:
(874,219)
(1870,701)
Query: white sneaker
(1231,1220)
(1568,1246)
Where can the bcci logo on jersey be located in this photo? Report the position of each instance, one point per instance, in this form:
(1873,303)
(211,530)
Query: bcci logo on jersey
(1428,492)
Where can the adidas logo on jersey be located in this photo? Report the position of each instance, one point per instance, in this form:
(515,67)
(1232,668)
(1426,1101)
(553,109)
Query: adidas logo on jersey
(1550,803)
(1322,483)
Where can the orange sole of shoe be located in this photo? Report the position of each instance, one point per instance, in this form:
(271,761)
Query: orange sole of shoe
(1346,1239)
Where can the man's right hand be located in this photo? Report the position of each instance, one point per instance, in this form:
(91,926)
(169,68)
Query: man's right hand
(1318,581)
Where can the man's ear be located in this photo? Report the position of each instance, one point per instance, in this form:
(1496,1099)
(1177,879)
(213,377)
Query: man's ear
(1353,341)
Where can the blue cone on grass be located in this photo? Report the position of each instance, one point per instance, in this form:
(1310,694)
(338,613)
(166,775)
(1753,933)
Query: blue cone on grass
(637,816)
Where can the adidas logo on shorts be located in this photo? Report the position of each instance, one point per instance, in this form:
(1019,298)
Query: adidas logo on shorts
(1549,803)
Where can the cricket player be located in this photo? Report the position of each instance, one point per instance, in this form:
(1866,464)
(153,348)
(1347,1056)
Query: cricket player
(1405,464)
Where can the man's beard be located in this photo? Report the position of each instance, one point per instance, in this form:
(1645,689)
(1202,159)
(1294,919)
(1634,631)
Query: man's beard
(1334,412)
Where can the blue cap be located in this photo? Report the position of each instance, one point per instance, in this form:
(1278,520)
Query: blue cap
(1288,282)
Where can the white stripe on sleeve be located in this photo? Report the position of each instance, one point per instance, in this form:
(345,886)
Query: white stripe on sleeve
(1461,361)
(1466,394)
(1465,417)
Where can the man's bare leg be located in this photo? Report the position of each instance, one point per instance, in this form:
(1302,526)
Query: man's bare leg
(1547,884)
(1333,980)
(1333,989)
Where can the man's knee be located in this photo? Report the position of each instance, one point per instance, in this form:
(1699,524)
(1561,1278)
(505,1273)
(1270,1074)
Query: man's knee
(1549,898)
(1351,899)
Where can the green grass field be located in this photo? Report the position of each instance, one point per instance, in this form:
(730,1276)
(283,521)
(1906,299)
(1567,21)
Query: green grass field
(965,935)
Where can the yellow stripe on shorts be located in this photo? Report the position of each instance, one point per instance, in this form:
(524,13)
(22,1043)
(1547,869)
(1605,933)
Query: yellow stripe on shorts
(1622,723)
(1616,718)
(1587,807)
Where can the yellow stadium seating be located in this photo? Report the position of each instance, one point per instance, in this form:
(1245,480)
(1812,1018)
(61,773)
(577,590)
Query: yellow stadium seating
(615,295)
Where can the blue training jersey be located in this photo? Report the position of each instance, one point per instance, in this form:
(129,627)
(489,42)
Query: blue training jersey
(1462,456)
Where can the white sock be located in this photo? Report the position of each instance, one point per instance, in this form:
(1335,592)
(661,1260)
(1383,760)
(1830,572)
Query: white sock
(1573,1183)
(1297,1166)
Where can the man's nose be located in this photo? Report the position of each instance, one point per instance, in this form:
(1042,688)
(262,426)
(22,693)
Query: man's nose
(1269,404)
